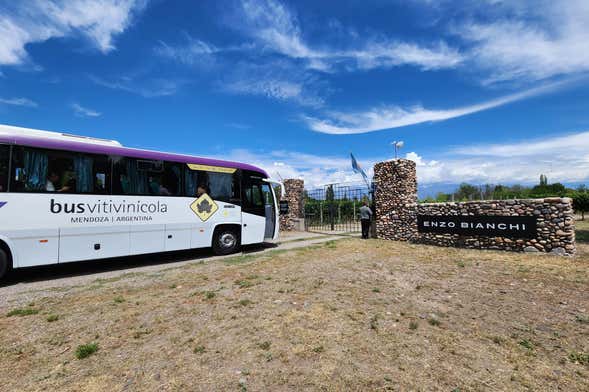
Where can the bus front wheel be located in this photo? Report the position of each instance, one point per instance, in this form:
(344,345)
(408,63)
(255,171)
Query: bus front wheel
(4,264)
(225,241)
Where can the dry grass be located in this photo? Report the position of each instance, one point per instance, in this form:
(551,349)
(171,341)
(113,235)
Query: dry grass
(352,315)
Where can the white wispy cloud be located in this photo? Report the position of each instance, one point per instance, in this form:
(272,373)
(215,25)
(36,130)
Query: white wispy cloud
(316,170)
(276,80)
(563,158)
(387,117)
(19,102)
(81,111)
(27,22)
(277,28)
(575,145)
(147,87)
(238,125)
(530,40)
(194,52)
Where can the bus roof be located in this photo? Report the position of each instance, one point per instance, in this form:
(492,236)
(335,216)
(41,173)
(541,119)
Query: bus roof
(63,141)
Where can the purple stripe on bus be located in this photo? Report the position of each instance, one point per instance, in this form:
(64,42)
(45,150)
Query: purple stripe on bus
(123,151)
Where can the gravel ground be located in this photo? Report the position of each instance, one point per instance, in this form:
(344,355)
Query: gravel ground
(347,315)
(24,286)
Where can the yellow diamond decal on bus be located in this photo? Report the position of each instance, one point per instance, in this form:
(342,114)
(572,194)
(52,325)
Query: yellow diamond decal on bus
(204,207)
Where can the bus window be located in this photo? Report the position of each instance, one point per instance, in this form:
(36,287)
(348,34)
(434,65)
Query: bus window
(219,186)
(4,157)
(101,175)
(37,170)
(146,177)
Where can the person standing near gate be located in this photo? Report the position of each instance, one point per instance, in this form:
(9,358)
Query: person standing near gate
(365,215)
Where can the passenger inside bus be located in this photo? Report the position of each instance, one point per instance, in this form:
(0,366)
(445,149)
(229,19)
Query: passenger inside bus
(201,190)
(53,179)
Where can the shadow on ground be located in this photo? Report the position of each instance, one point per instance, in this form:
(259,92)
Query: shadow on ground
(89,267)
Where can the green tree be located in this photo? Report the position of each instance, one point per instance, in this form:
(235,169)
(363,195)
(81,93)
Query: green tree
(581,203)
(466,192)
(329,194)
(543,180)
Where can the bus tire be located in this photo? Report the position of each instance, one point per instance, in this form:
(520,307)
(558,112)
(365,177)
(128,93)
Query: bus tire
(4,264)
(225,240)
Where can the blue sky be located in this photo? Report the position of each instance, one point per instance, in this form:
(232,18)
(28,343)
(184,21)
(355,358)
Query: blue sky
(480,91)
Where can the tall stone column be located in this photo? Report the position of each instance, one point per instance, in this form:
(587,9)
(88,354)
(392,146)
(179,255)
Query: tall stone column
(294,194)
(396,200)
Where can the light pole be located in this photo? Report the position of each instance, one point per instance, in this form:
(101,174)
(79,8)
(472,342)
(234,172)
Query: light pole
(397,144)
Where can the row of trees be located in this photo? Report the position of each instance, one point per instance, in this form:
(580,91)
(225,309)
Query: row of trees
(466,192)
(329,207)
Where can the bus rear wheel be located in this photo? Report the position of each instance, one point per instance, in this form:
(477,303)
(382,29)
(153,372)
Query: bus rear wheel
(4,264)
(225,241)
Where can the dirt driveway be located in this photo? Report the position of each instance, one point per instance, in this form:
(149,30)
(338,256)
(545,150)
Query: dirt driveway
(343,315)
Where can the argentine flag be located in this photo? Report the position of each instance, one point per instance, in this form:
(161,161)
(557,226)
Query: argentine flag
(357,169)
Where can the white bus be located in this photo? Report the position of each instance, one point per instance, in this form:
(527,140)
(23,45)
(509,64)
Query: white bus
(67,198)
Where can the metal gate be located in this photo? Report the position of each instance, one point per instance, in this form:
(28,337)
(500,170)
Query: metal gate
(336,207)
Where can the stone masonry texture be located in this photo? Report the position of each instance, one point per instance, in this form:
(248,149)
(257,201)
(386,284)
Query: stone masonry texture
(294,193)
(397,210)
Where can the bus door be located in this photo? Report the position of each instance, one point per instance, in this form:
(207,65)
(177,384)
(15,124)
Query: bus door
(258,211)
(269,211)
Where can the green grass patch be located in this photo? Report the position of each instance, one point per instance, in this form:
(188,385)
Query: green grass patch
(265,345)
(581,318)
(434,321)
(22,312)
(527,344)
(52,317)
(245,302)
(244,283)
(374,322)
(582,358)
(241,259)
(330,244)
(413,325)
(85,350)
(318,349)
(119,300)
(199,349)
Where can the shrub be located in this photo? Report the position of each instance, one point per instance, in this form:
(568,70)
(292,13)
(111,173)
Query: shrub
(52,317)
(85,350)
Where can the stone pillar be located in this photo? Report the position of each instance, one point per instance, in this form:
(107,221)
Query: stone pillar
(396,200)
(294,194)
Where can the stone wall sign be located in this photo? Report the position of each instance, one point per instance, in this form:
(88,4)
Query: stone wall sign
(486,225)
(283,207)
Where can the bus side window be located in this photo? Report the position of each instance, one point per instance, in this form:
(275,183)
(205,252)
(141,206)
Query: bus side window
(146,177)
(101,175)
(4,157)
(121,181)
(219,186)
(37,170)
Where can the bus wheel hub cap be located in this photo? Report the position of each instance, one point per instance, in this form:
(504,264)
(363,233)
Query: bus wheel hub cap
(227,240)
